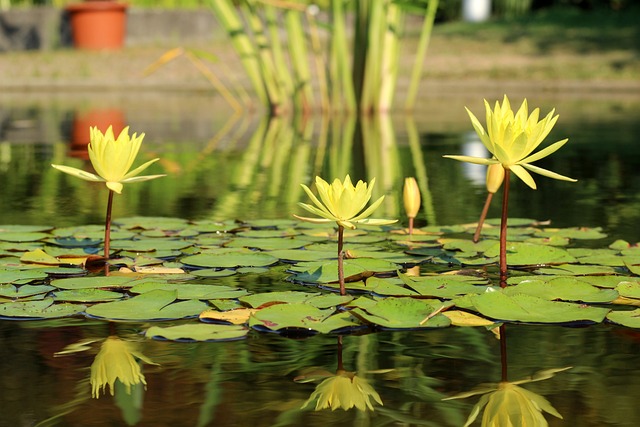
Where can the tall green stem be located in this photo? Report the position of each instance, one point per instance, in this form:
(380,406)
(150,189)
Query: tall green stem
(107,226)
(503,230)
(503,352)
(423,44)
(343,290)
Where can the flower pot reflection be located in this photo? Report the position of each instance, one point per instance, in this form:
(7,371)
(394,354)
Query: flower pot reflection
(101,118)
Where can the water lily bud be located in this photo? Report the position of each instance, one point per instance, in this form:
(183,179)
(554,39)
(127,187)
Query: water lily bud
(411,196)
(495,176)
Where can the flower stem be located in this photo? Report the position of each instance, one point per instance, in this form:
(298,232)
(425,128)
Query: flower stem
(107,226)
(343,291)
(503,230)
(410,226)
(483,216)
(503,352)
(340,365)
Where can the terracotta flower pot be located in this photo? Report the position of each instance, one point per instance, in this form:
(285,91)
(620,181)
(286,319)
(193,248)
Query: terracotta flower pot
(98,25)
(102,119)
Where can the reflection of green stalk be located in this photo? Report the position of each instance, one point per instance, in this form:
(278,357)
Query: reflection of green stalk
(371,83)
(423,44)
(503,230)
(107,226)
(420,170)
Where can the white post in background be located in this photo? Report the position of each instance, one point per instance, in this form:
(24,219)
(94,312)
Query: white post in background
(476,10)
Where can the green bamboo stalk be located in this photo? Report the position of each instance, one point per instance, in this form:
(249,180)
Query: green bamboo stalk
(303,92)
(360,47)
(423,44)
(265,58)
(371,84)
(230,20)
(283,75)
(389,57)
(343,93)
(316,47)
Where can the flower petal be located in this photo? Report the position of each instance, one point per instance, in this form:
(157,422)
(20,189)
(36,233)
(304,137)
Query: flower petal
(470,159)
(548,173)
(79,173)
(523,175)
(544,152)
(140,168)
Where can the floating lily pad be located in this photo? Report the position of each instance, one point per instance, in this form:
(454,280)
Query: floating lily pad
(87,295)
(270,298)
(230,260)
(526,308)
(563,288)
(147,223)
(9,228)
(191,291)
(213,272)
(93,282)
(630,319)
(149,245)
(153,305)
(21,276)
(573,233)
(236,315)
(354,269)
(14,292)
(22,237)
(298,255)
(42,309)
(266,244)
(629,289)
(445,286)
(577,270)
(197,332)
(389,286)
(300,316)
(403,313)
(522,253)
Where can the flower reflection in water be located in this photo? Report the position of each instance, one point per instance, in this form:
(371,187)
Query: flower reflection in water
(116,361)
(343,389)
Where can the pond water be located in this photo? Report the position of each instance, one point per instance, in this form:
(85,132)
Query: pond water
(224,167)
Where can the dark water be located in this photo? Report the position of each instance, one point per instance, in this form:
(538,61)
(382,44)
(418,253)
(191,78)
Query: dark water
(223,167)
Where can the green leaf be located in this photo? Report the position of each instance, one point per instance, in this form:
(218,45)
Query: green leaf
(526,308)
(563,288)
(197,332)
(153,305)
(87,295)
(403,313)
(230,260)
(522,253)
(21,276)
(259,300)
(93,282)
(444,286)
(42,309)
(353,269)
(630,319)
(11,291)
(301,316)
(191,291)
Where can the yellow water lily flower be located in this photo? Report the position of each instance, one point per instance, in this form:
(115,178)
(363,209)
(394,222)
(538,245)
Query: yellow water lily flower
(112,158)
(511,138)
(344,390)
(411,197)
(343,203)
(116,360)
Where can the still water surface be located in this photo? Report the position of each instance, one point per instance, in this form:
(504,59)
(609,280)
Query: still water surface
(224,167)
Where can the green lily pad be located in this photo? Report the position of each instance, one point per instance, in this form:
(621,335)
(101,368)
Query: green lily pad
(403,313)
(197,332)
(19,237)
(9,228)
(522,253)
(577,270)
(41,309)
(147,223)
(630,289)
(270,233)
(266,244)
(573,233)
(628,318)
(213,272)
(153,305)
(301,316)
(259,300)
(11,291)
(527,308)
(388,286)
(563,288)
(87,295)
(354,269)
(445,286)
(191,291)
(21,276)
(93,282)
(230,260)
(298,255)
(149,245)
